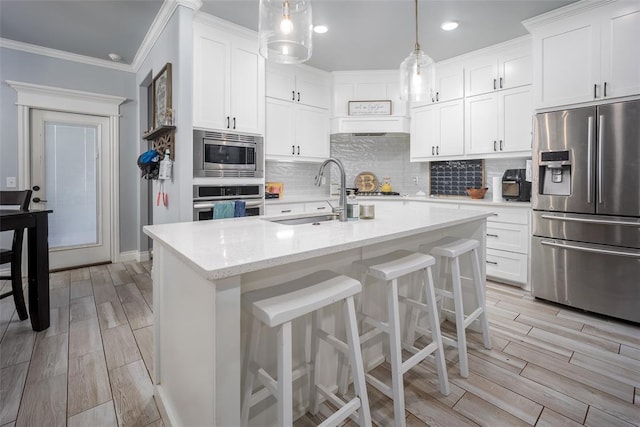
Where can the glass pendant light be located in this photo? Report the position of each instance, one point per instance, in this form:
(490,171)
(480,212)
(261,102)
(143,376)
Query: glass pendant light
(285,30)
(417,73)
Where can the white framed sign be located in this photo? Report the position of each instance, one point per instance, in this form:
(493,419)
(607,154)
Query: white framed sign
(370,108)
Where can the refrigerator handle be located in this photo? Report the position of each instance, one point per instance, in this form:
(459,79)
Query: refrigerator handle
(589,159)
(591,249)
(600,143)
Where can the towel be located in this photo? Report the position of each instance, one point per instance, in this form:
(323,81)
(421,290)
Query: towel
(240,209)
(223,210)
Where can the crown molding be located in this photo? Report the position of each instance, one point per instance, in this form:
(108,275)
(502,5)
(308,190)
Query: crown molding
(564,12)
(158,25)
(67,56)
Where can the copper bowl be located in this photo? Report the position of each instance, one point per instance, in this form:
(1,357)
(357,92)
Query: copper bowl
(476,193)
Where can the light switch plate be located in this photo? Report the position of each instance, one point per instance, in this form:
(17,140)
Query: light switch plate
(11,182)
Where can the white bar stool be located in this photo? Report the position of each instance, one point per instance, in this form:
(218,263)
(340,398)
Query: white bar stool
(277,307)
(389,268)
(450,249)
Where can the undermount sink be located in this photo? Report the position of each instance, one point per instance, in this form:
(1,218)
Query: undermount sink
(315,219)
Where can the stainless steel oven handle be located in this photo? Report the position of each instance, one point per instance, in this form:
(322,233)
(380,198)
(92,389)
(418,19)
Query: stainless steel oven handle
(590,249)
(208,205)
(253,204)
(600,143)
(589,158)
(593,221)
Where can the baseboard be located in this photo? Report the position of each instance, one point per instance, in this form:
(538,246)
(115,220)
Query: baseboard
(139,256)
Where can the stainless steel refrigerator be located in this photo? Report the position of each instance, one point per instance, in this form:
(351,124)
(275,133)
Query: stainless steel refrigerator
(585,250)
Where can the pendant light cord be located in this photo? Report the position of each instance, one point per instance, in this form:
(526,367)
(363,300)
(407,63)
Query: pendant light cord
(417,43)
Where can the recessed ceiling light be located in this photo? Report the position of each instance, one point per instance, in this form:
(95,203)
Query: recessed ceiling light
(320,29)
(449,25)
(115,57)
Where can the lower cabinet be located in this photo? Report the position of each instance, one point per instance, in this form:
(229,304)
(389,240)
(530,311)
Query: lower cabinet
(297,208)
(508,237)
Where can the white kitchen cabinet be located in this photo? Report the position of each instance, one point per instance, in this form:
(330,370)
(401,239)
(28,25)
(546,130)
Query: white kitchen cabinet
(298,84)
(437,131)
(449,82)
(582,53)
(284,209)
(499,122)
(228,80)
(508,237)
(318,207)
(366,86)
(503,67)
(296,131)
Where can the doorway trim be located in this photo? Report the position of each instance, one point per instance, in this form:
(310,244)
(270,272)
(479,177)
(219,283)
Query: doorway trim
(32,96)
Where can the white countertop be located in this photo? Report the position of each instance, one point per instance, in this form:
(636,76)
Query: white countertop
(427,199)
(228,247)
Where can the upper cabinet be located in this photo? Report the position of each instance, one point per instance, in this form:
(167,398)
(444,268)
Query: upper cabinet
(228,80)
(449,82)
(584,52)
(366,86)
(437,131)
(297,113)
(298,84)
(491,70)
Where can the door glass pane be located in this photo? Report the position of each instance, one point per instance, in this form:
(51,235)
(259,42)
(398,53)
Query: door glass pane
(71,184)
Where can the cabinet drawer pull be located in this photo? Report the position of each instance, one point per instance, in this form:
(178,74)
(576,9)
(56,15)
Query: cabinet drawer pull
(494,146)
(494,84)
(293,149)
(298,150)
(437,150)
(228,122)
(285,211)
(437,96)
(293,95)
(492,235)
(491,262)
(321,208)
(298,96)
(500,82)
(605,89)
(234,122)
(433,150)
(500,144)
(595,87)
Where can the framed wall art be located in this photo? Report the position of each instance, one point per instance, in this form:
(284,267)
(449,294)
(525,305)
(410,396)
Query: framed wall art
(370,108)
(162,110)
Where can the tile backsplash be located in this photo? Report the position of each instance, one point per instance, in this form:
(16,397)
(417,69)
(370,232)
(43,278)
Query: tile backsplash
(384,156)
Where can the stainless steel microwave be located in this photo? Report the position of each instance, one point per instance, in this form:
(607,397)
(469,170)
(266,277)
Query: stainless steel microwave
(219,154)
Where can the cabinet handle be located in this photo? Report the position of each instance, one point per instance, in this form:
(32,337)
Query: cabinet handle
(437,150)
(494,146)
(491,262)
(437,96)
(293,149)
(605,89)
(298,96)
(500,144)
(234,122)
(500,82)
(298,150)
(321,208)
(227,122)
(433,150)
(293,95)
(494,84)
(285,211)
(595,87)
(492,235)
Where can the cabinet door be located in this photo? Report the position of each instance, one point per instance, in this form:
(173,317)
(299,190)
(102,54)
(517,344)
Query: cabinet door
(481,123)
(280,131)
(620,59)
(451,128)
(280,82)
(312,90)
(566,57)
(312,132)
(422,141)
(319,207)
(508,266)
(274,209)
(449,83)
(247,87)
(514,68)
(210,79)
(515,119)
(481,76)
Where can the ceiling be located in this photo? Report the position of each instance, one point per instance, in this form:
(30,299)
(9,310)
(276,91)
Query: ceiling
(363,34)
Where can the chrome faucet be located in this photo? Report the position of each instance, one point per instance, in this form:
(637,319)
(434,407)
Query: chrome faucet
(341,210)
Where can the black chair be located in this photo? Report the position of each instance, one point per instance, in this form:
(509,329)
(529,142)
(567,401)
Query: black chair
(14,255)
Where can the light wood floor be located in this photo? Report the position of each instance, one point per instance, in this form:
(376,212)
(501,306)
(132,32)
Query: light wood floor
(549,366)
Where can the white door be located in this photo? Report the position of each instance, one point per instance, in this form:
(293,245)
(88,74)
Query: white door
(70,174)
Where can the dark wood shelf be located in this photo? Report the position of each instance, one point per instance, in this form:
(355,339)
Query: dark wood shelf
(162,138)
(159,131)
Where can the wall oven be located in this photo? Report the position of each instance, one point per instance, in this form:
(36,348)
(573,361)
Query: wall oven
(219,154)
(205,198)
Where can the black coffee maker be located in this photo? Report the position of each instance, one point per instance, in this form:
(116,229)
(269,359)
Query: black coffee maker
(515,186)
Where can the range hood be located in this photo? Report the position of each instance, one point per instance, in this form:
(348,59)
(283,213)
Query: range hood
(370,125)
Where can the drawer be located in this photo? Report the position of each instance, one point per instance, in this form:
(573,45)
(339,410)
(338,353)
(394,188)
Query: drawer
(321,207)
(509,266)
(284,208)
(514,215)
(508,237)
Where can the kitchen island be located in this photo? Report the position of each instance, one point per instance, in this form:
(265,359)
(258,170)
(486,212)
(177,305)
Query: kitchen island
(200,270)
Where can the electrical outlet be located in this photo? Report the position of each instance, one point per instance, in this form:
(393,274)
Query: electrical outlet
(11,182)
